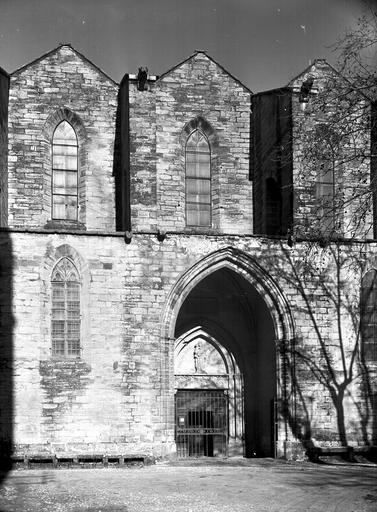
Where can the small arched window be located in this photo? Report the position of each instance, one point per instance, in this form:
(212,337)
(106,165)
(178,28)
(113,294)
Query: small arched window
(198,180)
(369,317)
(65,308)
(64,173)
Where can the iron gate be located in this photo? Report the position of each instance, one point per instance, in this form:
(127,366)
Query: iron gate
(201,419)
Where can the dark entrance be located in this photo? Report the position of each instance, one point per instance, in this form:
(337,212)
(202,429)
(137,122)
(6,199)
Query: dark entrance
(201,423)
(230,310)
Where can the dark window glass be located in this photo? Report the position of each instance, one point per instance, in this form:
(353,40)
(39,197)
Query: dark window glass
(369,316)
(273,207)
(64,173)
(198,180)
(65,310)
(325,192)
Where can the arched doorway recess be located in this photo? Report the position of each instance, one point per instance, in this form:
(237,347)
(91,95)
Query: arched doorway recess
(242,312)
(209,418)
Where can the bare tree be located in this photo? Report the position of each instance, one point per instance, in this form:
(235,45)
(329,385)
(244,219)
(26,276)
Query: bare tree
(335,185)
(357,50)
(336,140)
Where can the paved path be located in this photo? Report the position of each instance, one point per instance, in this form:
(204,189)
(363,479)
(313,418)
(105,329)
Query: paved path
(230,486)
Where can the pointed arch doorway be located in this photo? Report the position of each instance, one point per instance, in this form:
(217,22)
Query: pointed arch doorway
(209,397)
(238,304)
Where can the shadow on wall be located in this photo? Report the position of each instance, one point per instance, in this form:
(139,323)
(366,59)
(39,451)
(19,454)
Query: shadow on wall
(6,316)
(6,354)
(121,162)
(329,359)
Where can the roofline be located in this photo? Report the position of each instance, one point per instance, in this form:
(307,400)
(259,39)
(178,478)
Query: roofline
(211,59)
(285,88)
(336,71)
(47,54)
(305,70)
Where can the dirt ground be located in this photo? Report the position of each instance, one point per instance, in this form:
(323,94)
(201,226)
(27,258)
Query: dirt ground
(198,486)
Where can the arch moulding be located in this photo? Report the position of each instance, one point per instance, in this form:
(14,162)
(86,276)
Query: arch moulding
(243,265)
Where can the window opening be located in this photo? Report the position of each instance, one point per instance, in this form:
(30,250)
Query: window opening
(369,317)
(325,192)
(198,180)
(273,207)
(64,173)
(65,318)
(327,146)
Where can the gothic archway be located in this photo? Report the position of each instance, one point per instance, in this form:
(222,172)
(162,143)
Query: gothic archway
(264,330)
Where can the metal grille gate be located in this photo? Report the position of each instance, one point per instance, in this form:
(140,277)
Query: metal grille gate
(201,419)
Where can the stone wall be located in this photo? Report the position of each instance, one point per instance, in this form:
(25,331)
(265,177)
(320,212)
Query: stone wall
(118,396)
(115,396)
(143,159)
(196,89)
(61,85)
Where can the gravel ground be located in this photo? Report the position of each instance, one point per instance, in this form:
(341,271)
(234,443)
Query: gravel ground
(197,486)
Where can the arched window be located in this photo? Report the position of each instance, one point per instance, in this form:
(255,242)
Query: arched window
(64,173)
(369,316)
(325,191)
(198,180)
(65,317)
(326,151)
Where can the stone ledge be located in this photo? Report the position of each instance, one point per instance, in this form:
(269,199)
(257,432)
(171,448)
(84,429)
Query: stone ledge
(74,460)
(349,453)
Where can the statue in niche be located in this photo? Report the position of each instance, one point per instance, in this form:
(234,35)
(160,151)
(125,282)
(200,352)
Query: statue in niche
(197,357)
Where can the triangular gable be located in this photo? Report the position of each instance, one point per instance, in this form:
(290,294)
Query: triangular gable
(169,71)
(312,68)
(55,50)
(315,70)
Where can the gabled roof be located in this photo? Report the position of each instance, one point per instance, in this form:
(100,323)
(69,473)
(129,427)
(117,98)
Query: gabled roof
(308,68)
(51,52)
(209,58)
(334,70)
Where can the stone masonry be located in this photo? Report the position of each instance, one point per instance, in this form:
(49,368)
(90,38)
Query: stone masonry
(117,397)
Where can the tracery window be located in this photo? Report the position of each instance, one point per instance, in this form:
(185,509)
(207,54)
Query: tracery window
(65,317)
(198,180)
(64,173)
(369,316)
(325,191)
(326,152)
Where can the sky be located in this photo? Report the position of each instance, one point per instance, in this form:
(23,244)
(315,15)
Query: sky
(264,43)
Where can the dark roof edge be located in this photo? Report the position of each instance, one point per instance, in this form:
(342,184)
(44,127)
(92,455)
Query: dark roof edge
(285,88)
(47,54)
(211,59)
